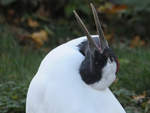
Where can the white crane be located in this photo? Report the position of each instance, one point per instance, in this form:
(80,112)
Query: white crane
(75,77)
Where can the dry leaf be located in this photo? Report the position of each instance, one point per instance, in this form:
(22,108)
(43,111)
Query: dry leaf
(41,12)
(105,7)
(39,37)
(112,8)
(118,8)
(11,12)
(32,23)
(137,42)
(109,37)
(139,97)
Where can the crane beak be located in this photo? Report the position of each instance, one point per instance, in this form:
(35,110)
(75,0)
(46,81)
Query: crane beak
(92,44)
(102,41)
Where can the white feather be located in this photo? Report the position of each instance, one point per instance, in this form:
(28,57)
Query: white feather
(58,88)
(108,76)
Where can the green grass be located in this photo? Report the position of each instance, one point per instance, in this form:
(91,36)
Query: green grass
(134,79)
(18,64)
(134,71)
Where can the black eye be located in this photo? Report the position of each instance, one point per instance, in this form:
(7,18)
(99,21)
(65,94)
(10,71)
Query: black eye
(96,63)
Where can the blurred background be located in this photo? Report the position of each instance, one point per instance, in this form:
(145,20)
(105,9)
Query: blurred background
(29,29)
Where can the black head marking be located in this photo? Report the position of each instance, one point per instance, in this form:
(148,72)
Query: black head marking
(91,75)
(84,45)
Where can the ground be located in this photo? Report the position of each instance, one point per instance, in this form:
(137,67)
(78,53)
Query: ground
(18,64)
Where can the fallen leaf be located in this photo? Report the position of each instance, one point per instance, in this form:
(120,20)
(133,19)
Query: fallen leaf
(39,37)
(11,12)
(137,42)
(105,7)
(118,8)
(139,97)
(109,37)
(41,12)
(32,23)
(112,8)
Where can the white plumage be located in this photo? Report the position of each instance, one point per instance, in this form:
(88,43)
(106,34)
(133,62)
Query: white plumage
(57,87)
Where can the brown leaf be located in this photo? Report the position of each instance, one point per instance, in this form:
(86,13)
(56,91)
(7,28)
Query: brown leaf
(118,8)
(109,37)
(39,37)
(139,97)
(112,8)
(41,12)
(136,42)
(11,12)
(32,23)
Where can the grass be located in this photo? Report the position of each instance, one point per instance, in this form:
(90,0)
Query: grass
(134,71)
(18,64)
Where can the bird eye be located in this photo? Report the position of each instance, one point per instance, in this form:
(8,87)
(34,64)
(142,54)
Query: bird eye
(96,63)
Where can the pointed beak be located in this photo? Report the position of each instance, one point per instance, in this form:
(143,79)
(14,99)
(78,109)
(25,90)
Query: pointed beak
(102,41)
(84,28)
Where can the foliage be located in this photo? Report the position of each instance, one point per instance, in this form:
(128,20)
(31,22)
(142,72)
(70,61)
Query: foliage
(124,18)
(133,60)
(17,67)
(6,2)
(13,97)
(134,17)
(138,5)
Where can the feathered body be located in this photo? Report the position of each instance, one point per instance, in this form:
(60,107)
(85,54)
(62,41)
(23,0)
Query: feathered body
(58,86)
